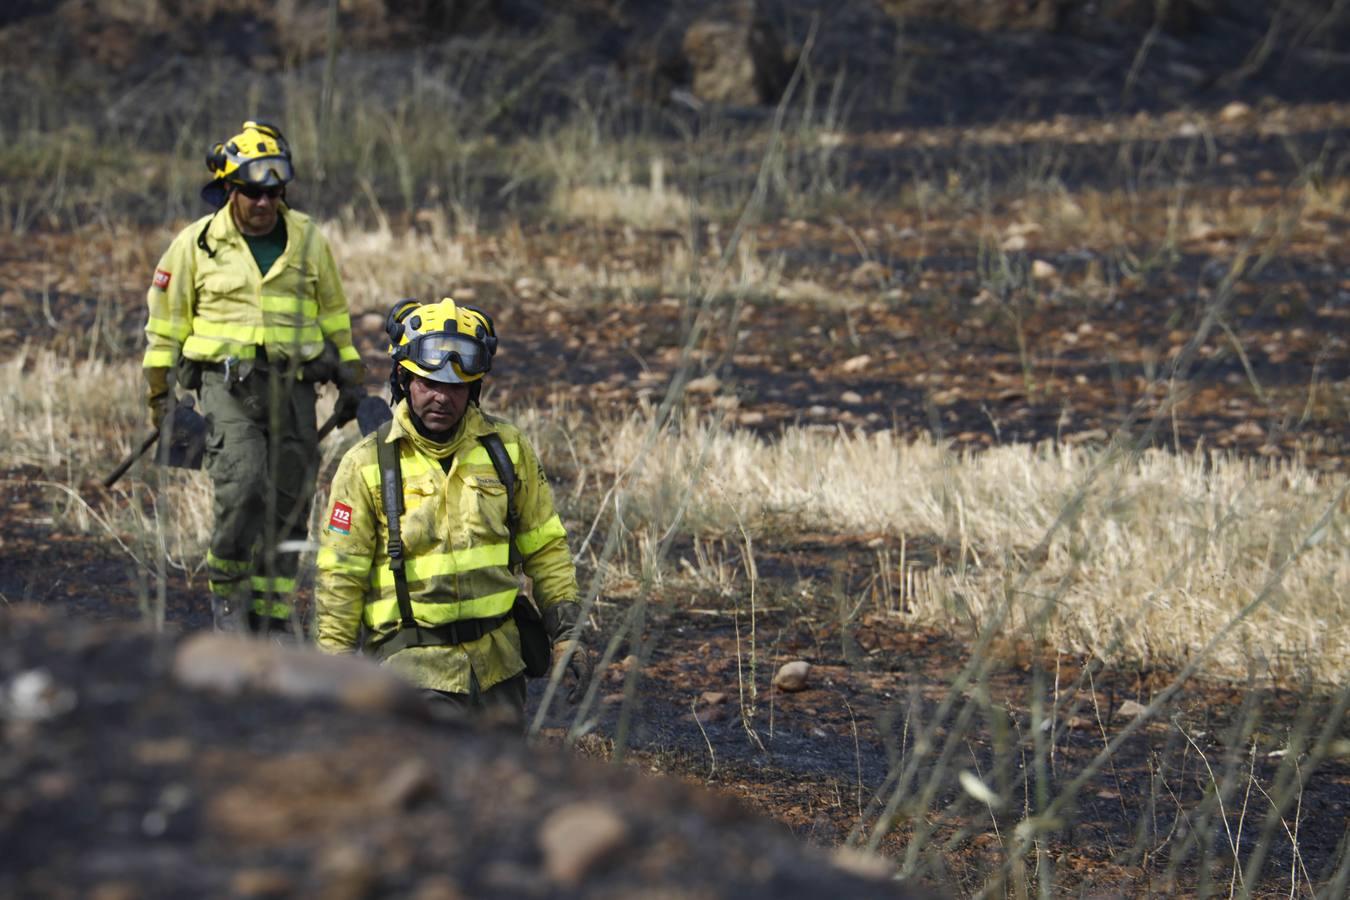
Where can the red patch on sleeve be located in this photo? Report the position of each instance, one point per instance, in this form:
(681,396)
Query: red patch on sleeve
(162,279)
(341,519)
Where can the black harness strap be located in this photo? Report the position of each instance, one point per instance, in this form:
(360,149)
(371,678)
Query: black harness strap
(391,486)
(201,241)
(410,634)
(501,461)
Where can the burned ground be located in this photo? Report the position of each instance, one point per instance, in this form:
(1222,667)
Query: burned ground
(1018,250)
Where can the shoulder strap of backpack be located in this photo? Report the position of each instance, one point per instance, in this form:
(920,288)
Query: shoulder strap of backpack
(391,489)
(506,472)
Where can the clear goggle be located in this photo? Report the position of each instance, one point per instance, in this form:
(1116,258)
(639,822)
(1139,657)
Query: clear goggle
(265,172)
(433,352)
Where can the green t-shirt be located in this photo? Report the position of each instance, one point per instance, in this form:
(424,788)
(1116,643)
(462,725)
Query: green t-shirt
(267,248)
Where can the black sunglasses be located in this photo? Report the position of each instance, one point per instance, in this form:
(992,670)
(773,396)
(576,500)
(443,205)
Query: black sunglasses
(254,191)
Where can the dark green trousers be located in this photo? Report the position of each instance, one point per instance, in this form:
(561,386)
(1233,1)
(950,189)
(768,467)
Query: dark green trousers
(262,454)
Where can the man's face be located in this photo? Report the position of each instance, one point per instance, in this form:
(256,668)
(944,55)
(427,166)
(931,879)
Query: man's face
(255,215)
(439,406)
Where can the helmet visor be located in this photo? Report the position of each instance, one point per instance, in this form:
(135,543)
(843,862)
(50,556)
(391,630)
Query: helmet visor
(265,172)
(433,352)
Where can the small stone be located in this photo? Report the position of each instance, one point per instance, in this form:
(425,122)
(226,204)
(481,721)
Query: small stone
(1014,243)
(1042,270)
(612,699)
(850,398)
(728,402)
(372,322)
(577,838)
(750,417)
(712,698)
(1131,709)
(792,676)
(1235,112)
(708,384)
(856,363)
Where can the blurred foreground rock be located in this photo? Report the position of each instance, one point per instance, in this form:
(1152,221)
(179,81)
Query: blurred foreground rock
(142,766)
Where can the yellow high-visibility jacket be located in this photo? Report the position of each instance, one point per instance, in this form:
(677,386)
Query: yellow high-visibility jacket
(208,301)
(455,546)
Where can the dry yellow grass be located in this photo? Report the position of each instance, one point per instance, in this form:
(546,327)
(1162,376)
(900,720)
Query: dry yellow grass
(1161,551)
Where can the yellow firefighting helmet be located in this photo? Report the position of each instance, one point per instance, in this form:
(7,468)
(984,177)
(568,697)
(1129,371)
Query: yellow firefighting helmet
(442,341)
(258,156)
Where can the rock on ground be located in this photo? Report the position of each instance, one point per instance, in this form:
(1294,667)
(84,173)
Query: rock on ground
(792,676)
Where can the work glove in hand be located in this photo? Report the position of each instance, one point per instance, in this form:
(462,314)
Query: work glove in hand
(348,400)
(578,672)
(351,373)
(158,396)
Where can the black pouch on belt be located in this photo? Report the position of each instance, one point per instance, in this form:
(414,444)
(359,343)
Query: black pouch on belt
(188,373)
(535,647)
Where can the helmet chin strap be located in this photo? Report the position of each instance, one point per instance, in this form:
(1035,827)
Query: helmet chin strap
(436,437)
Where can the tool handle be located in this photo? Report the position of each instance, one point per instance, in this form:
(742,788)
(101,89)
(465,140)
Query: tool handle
(328,426)
(146,443)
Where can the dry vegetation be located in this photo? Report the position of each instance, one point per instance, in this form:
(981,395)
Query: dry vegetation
(1142,265)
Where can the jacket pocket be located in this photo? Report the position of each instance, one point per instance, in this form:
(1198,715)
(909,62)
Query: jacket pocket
(223,283)
(485,508)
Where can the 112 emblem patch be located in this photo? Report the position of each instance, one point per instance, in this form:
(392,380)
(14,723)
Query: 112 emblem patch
(341,519)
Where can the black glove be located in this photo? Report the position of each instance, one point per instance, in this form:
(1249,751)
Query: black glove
(348,400)
(578,672)
(560,621)
(324,367)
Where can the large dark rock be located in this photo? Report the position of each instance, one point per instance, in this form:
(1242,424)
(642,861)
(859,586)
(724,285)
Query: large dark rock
(281,773)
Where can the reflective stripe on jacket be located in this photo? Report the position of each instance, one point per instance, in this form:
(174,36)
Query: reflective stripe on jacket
(210,307)
(455,545)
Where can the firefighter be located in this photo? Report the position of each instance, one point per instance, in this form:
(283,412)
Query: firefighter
(246,308)
(435,585)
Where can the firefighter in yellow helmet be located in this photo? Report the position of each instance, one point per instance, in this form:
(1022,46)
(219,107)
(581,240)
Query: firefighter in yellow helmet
(433,518)
(246,309)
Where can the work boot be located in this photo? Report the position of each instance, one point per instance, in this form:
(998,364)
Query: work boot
(227,615)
